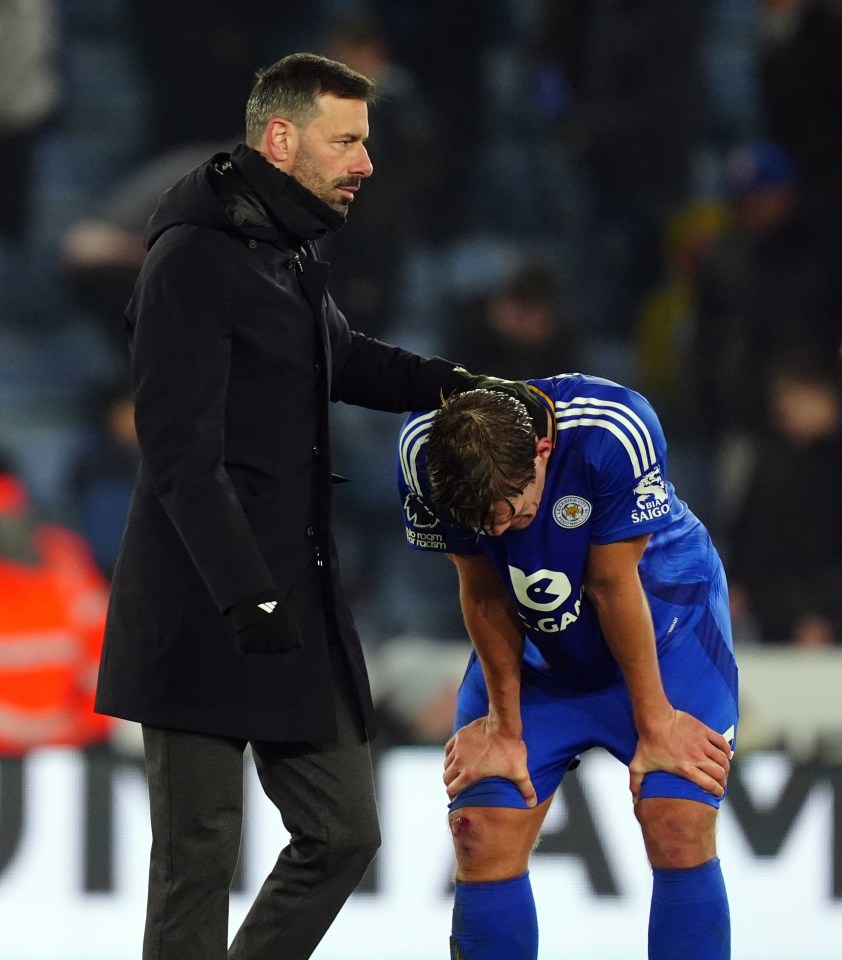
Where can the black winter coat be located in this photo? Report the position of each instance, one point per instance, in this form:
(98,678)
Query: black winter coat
(236,351)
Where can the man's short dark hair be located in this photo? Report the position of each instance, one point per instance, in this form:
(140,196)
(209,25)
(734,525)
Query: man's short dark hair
(289,89)
(481,450)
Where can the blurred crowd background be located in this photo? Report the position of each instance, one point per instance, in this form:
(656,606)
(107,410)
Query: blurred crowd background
(645,190)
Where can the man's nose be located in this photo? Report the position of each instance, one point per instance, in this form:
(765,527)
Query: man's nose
(362,166)
(498,527)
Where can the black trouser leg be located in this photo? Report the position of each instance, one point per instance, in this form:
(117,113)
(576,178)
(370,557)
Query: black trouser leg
(326,799)
(196,806)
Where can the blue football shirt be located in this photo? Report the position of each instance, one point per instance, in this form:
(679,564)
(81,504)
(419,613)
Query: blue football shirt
(606,481)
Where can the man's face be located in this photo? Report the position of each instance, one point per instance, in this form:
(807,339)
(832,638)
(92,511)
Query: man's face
(330,158)
(518,512)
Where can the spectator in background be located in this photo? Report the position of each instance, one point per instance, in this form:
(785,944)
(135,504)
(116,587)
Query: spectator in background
(100,255)
(666,318)
(771,283)
(785,556)
(524,325)
(446,48)
(53,601)
(29,95)
(663,344)
(631,73)
(367,255)
(29,98)
(198,56)
(103,476)
(800,80)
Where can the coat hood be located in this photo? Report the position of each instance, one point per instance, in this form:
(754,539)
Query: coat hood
(243,192)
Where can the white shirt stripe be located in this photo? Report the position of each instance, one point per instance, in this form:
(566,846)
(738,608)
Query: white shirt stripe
(619,419)
(410,444)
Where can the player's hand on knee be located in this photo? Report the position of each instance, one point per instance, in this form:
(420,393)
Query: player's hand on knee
(477,751)
(686,747)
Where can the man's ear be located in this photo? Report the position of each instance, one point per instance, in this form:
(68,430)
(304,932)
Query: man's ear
(281,141)
(543,447)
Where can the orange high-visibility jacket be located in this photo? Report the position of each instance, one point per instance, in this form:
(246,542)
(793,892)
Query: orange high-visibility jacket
(52,616)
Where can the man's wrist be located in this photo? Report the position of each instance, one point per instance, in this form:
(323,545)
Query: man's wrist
(504,726)
(248,610)
(651,718)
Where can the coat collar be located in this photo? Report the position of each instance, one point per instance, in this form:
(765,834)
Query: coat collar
(291,206)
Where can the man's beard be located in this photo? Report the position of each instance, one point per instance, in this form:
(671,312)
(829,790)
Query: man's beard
(305,172)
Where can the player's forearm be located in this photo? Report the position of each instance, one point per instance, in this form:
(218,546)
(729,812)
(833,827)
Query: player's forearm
(495,631)
(626,623)
(499,646)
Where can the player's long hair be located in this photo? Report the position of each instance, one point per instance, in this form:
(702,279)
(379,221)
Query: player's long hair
(481,450)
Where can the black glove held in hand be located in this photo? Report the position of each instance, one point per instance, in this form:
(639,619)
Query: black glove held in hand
(263,624)
(535,407)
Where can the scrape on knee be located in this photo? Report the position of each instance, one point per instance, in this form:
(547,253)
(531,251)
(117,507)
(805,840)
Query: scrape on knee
(459,826)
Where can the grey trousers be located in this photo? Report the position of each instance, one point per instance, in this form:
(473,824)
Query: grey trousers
(327,803)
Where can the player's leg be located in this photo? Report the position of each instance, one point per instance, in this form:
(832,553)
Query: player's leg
(494,831)
(493,910)
(195,800)
(689,917)
(327,803)
(677,833)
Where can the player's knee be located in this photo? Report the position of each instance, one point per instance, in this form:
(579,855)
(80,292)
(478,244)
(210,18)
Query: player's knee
(467,834)
(677,833)
(470,834)
(481,851)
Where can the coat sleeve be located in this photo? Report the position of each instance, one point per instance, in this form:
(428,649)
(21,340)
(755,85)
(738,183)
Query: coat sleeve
(181,349)
(370,373)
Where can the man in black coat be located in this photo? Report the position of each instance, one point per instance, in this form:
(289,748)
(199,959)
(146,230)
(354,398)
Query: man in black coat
(227,623)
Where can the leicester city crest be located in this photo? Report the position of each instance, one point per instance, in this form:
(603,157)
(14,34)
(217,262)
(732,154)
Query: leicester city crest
(571,511)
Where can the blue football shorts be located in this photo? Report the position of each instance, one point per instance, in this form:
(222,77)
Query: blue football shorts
(699,677)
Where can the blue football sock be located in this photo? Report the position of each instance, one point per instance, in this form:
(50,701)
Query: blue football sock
(690,919)
(494,921)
